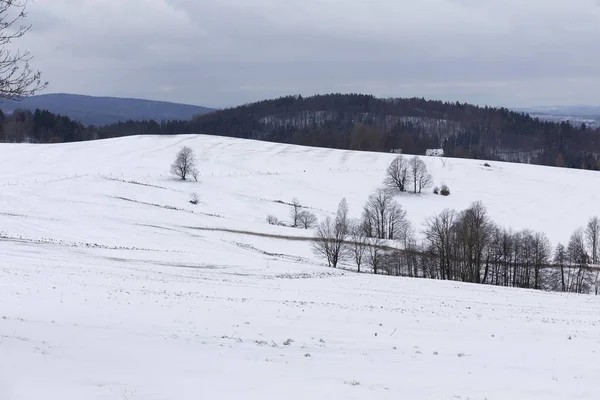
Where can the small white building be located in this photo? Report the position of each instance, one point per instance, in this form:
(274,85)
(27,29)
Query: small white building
(435,152)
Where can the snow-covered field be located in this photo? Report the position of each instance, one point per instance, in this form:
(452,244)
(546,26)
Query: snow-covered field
(113,286)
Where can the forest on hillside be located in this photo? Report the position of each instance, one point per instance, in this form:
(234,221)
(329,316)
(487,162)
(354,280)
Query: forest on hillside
(411,126)
(358,122)
(23,126)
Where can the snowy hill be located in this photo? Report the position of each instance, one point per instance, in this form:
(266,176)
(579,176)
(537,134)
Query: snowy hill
(113,286)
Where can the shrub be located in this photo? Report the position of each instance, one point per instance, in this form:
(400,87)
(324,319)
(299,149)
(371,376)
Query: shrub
(272,220)
(436,190)
(445,190)
(194,198)
(487,165)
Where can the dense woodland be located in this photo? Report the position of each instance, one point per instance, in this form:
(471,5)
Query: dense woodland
(24,126)
(354,121)
(42,127)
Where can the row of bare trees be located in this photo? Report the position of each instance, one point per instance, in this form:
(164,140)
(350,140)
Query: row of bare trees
(363,241)
(468,246)
(462,246)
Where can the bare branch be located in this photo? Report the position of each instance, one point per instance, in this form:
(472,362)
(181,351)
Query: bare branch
(17,79)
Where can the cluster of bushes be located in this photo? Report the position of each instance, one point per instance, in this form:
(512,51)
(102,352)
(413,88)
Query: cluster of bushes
(444,191)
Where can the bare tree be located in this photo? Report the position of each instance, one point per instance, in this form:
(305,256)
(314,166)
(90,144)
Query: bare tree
(396,176)
(383,217)
(579,258)
(577,250)
(542,252)
(295,212)
(409,249)
(592,236)
(324,242)
(560,261)
(439,233)
(306,219)
(184,164)
(425,180)
(474,231)
(419,175)
(17,79)
(341,216)
(330,241)
(358,242)
(596,282)
(375,255)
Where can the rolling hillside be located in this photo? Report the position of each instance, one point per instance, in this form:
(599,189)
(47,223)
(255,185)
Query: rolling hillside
(90,110)
(113,286)
(364,122)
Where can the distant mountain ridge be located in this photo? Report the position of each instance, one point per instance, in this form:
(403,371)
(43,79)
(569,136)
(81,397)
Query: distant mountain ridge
(349,121)
(406,125)
(92,110)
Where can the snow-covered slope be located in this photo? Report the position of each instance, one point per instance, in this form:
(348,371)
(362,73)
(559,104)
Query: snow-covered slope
(113,286)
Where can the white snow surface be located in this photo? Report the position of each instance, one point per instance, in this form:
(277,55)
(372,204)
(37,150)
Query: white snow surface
(114,286)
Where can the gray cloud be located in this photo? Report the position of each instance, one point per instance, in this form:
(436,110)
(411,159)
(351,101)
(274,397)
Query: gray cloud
(226,52)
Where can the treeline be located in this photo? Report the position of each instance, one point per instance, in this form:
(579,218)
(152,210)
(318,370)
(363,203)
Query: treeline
(464,246)
(42,127)
(412,125)
(364,122)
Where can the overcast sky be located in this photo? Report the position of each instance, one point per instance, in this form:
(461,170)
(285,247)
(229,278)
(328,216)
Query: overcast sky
(227,52)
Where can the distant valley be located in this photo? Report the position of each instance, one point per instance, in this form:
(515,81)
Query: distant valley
(91,110)
(576,115)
